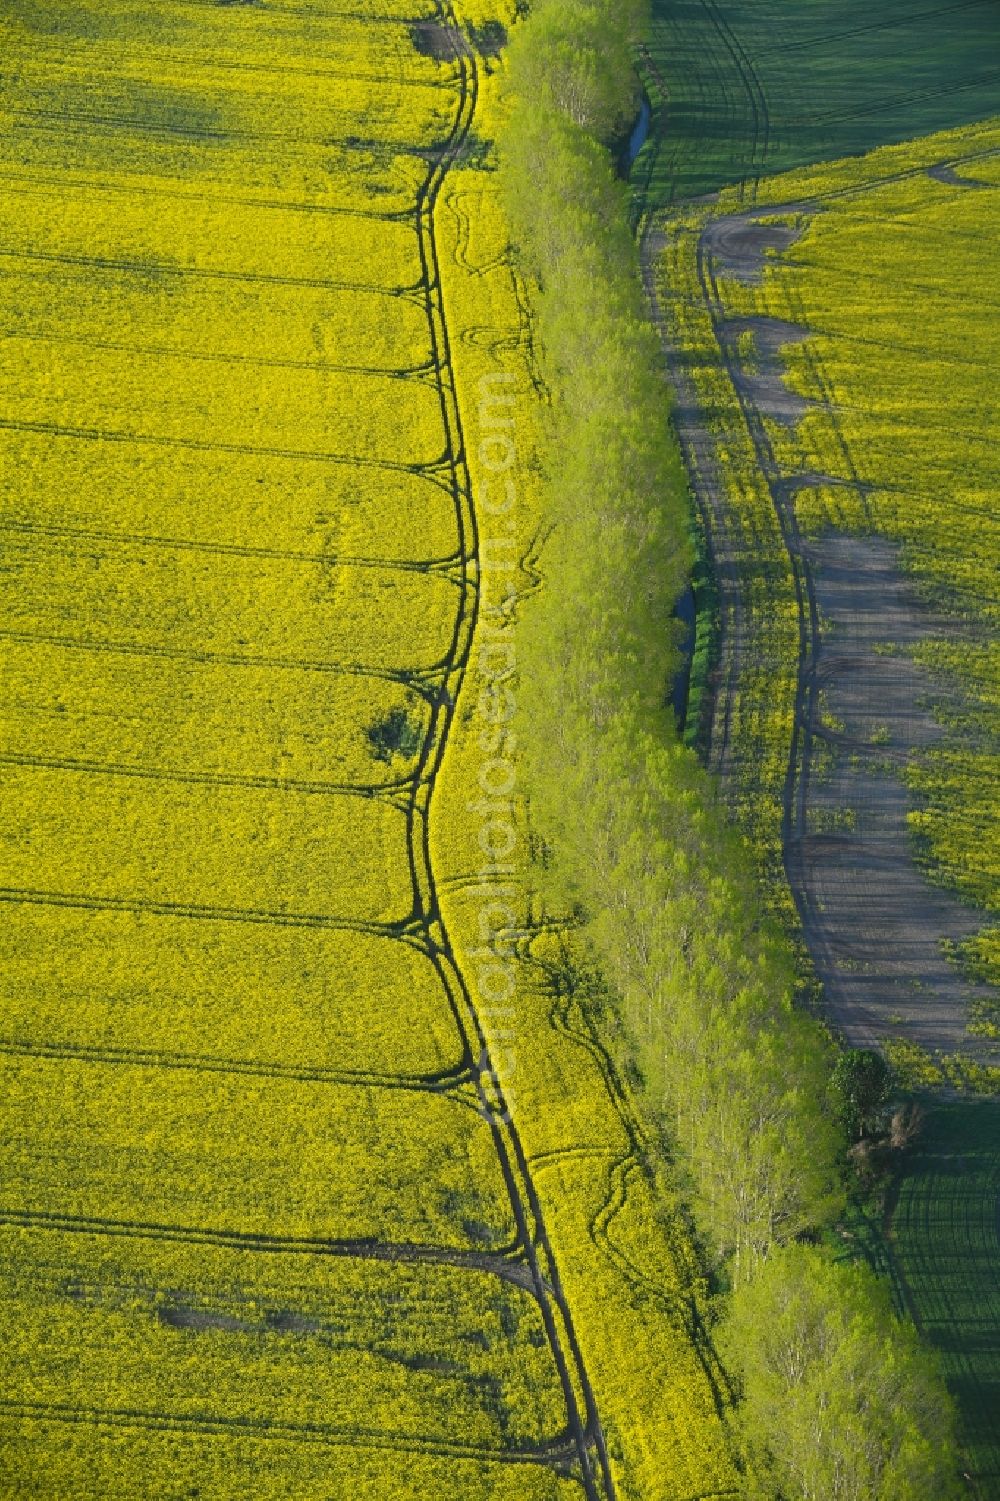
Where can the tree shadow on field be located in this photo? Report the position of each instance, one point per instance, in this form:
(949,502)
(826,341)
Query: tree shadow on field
(395,734)
(943,1224)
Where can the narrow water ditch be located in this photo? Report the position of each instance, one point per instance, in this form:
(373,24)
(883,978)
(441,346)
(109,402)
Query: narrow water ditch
(631,147)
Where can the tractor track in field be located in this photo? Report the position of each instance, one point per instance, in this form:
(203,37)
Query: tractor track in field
(557,1452)
(408,929)
(802,584)
(137,125)
(509,1262)
(185,194)
(123,539)
(425,680)
(428,469)
(442,1081)
(206,273)
(201,357)
(390,792)
(569,1017)
(158,57)
(783,48)
(754,90)
(727,49)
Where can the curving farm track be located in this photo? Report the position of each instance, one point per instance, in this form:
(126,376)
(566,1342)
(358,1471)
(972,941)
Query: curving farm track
(533,1245)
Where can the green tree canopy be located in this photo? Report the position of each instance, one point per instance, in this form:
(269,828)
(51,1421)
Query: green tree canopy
(842,1402)
(576,58)
(861,1085)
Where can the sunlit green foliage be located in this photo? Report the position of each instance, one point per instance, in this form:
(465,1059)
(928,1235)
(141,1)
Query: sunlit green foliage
(842,1401)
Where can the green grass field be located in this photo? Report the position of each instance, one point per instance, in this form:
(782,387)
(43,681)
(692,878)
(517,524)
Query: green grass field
(943,1226)
(936,1238)
(761,87)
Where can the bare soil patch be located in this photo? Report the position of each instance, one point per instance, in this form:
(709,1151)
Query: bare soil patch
(434,39)
(947,174)
(740,245)
(182,1317)
(762,379)
(874,922)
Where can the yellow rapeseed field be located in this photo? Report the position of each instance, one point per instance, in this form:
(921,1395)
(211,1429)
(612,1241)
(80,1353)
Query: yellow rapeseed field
(291,1204)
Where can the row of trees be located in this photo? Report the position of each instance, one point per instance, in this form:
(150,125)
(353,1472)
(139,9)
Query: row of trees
(841,1400)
